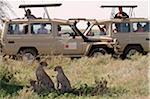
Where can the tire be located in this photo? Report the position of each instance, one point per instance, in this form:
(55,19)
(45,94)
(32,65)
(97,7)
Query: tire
(132,50)
(28,54)
(98,52)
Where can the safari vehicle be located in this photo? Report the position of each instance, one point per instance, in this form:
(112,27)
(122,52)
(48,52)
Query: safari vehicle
(23,37)
(132,33)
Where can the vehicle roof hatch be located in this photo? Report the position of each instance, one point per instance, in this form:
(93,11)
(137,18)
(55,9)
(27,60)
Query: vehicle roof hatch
(40,5)
(131,12)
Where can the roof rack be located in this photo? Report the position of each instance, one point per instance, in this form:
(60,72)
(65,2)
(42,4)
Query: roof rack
(81,19)
(77,19)
(131,12)
(115,6)
(40,5)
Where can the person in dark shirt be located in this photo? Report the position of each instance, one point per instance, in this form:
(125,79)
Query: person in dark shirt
(121,14)
(28,14)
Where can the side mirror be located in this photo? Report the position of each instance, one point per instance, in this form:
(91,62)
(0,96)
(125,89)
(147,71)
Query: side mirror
(59,28)
(73,35)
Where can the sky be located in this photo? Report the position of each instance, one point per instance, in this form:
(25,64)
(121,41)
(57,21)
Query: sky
(81,8)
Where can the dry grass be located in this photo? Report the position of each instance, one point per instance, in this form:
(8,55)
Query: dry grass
(126,78)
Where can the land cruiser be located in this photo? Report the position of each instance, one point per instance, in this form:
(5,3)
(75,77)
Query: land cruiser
(26,37)
(45,36)
(132,34)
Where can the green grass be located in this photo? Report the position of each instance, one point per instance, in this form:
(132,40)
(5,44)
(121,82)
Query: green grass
(127,79)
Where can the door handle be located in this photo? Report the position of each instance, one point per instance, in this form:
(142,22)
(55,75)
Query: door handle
(11,42)
(147,39)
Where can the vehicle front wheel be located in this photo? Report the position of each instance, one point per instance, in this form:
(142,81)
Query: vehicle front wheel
(131,51)
(98,52)
(28,54)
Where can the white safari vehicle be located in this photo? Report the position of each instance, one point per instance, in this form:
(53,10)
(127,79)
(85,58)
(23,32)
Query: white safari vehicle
(133,34)
(25,37)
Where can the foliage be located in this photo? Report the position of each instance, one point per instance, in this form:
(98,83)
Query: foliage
(91,78)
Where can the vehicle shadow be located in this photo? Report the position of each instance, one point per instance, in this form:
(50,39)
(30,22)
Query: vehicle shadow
(9,88)
(98,89)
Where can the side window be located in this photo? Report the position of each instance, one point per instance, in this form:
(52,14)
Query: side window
(65,30)
(141,27)
(41,28)
(121,27)
(97,30)
(17,28)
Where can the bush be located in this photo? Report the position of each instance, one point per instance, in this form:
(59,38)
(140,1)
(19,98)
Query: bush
(125,78)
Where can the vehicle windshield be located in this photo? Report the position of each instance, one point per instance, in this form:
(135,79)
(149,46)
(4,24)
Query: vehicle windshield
(88,28)
(83,26)
(78,32)
(65,30)
(97,30)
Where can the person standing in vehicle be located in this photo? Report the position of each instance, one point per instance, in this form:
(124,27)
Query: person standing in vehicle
(28,14)
(121,14)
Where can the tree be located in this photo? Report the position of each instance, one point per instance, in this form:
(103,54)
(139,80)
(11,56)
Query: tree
(5,8)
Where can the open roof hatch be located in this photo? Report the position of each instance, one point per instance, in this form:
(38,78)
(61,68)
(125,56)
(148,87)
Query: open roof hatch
(122,6)
(40,5)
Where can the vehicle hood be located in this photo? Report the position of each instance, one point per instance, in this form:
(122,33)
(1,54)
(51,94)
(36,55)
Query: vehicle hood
(100,38)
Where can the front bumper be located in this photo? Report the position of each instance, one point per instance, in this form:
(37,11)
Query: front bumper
(116,46)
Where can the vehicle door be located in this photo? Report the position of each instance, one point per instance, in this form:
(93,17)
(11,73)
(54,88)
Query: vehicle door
(42,37)
(68,44)
(97,30)
(15,36)
(121,31)
(140,34)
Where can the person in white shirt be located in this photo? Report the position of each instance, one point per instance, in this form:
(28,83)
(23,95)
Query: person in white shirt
(42,29)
